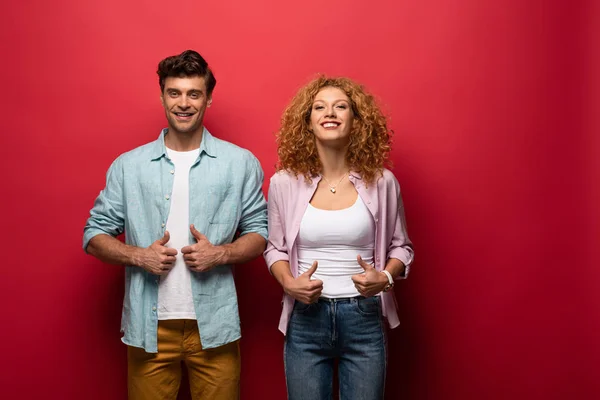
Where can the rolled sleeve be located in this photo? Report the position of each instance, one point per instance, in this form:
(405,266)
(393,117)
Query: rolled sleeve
(277,249)
(401,247)
(107,215)
(254,206)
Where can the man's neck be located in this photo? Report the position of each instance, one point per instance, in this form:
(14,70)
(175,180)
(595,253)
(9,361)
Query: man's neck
(179,141)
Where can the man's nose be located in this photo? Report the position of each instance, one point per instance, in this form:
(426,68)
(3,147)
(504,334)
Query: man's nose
(183,102)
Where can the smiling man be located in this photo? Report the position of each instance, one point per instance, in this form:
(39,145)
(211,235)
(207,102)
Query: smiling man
(190,205)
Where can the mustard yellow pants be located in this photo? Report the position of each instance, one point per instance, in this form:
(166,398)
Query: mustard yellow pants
(213,374)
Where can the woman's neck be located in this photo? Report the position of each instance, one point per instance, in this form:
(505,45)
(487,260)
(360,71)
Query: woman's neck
(333,161)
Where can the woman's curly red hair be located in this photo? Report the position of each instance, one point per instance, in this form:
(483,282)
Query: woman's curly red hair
(370,139)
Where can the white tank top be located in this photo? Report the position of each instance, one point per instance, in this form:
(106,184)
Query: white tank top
(175,289)
(334,238)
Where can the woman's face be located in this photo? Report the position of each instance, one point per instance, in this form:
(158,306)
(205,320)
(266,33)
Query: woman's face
(331,116)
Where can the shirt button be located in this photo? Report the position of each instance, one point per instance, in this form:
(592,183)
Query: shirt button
(167,197)
(163,225)
(376,219)
(172,171)
(153,308)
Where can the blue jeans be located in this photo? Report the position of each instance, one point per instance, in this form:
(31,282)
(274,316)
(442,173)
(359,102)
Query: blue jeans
(348,330)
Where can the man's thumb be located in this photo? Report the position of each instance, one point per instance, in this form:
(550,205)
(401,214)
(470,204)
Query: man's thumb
(165,239)
(195,233)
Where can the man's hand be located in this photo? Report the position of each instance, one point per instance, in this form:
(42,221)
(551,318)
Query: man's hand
(371,282)
(157,258)
(303,288)
(203,255)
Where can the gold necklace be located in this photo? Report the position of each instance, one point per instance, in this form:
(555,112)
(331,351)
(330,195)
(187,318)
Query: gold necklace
(332,187)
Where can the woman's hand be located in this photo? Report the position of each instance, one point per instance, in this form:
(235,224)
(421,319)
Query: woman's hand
(371,282)
(303,288)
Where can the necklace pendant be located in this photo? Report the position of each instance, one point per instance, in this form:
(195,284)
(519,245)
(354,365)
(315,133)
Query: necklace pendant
(332,190)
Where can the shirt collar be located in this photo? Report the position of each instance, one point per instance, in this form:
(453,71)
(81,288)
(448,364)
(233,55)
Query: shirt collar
(207,145)
(355,175)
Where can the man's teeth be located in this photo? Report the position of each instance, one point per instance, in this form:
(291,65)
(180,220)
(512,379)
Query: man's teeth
(183,114)
(330,125)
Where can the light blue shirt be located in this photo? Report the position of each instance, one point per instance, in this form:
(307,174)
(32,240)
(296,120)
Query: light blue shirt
(226,198)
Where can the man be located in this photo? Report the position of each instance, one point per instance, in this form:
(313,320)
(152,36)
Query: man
(190,205)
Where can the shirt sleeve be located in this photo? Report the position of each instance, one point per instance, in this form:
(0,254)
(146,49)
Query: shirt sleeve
(254,206)
(277,249)
(107,215)
(400,246)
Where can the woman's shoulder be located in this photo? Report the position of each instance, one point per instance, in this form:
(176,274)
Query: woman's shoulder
(388,180)
(284,177)
(388,177)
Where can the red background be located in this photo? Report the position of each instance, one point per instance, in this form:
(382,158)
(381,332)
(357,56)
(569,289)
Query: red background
(495,107)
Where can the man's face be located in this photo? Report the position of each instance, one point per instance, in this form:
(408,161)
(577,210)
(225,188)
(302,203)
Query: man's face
(185,100)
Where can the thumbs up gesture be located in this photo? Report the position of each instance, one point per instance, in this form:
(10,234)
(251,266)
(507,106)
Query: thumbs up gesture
(303,288)
(158,259)
(371,281)
(202,255)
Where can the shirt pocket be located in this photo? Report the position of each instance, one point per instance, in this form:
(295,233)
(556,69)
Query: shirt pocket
(223,212)
(223,204)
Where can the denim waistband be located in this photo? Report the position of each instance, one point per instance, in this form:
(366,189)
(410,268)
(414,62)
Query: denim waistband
(340,299)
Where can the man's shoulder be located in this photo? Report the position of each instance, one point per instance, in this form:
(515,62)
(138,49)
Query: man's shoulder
(231,150)
(134,156)
(144,150)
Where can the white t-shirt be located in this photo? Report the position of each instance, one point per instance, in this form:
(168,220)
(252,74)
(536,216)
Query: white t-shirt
(334,239)
(175,299)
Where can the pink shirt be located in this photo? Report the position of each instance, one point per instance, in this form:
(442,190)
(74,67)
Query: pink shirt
(288,199)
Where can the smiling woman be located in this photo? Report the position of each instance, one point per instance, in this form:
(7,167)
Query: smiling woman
(347,244)
(368,146)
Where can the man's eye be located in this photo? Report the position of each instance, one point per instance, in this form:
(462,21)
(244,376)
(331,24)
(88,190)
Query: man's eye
(173,94)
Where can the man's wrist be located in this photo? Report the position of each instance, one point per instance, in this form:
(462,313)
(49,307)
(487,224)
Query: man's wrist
(136,256)
(224,256)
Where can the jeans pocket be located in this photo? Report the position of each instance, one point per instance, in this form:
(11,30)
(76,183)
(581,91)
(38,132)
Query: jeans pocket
(368,306)
(302,308)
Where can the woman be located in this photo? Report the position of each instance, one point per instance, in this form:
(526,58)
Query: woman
(337,240)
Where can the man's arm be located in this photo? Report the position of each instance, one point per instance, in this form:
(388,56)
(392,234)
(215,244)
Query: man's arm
(107,220)
(203,255)
(244,249)
(156,258)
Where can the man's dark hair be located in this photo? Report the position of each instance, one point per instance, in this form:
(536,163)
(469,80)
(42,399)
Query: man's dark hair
(187,64)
